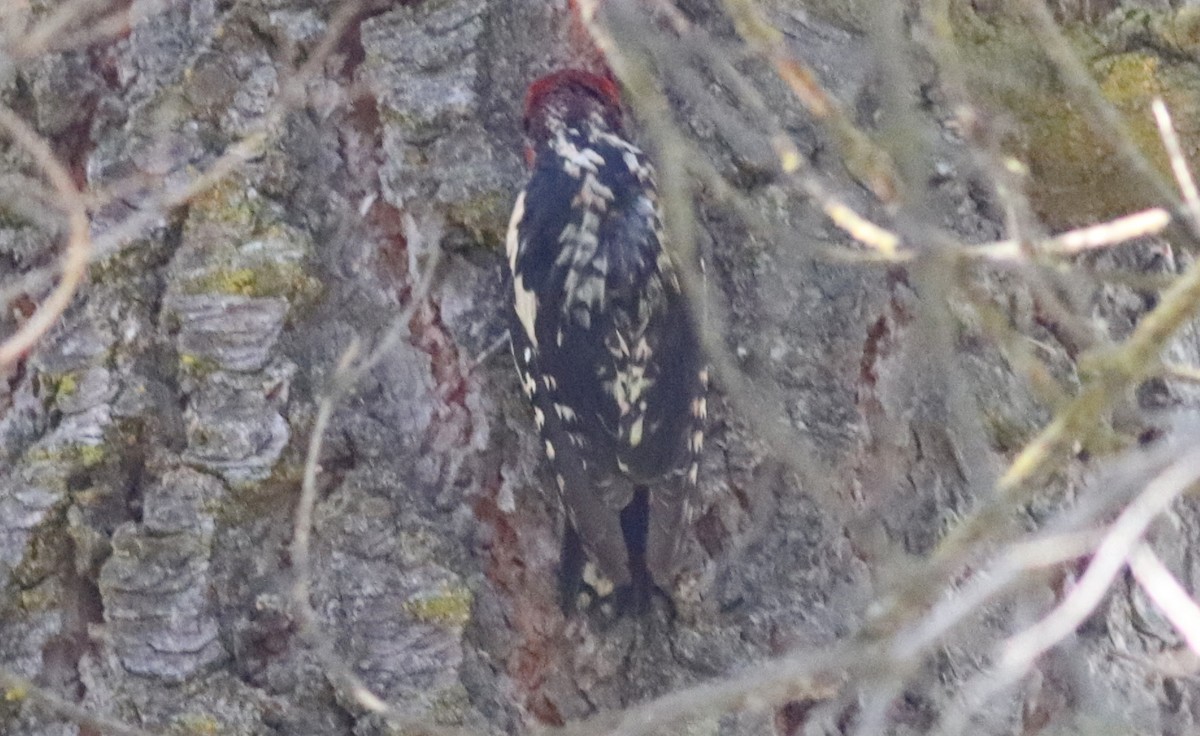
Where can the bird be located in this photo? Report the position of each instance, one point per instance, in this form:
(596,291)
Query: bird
(605,344)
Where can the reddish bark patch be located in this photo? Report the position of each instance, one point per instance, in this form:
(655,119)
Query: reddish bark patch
(393,252)
(451,425)
(880,458)
(533,616)
(873,349)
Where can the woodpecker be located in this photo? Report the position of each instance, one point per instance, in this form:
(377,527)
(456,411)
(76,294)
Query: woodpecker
(604,343)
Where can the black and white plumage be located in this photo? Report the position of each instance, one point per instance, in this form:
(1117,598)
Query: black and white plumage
(603,338)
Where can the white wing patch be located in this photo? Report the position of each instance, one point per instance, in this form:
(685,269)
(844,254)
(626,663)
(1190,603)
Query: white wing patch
(524,300)
(512,243)
(525,305)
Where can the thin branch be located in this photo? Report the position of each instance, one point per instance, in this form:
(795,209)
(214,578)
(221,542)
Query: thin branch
(107,29)
(51,35)
(1102,116)
(1188,373)
(885,245)
(487,353)
(1075,532)
(1114,232)
(882,241)
(983,142)
(249,147)
(37,40)
(79,242)
(1164,589)
(790,447)
(18,688)
(1016,347)
(869,163)
(1011,567)
(803,675)
(1016,655)
(292,94)
(1179,163)
(346,375)
(1114,372)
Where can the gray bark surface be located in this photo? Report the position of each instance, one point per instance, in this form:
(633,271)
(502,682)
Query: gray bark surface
(152,445)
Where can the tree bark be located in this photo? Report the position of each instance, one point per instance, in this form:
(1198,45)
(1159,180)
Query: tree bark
(153,443)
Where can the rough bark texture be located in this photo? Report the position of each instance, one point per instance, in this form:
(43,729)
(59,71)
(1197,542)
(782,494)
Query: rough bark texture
(151,447)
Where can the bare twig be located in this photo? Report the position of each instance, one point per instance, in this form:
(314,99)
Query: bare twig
(1188,373)
(1164,589)
(1073,532)
(882,241)
(1015,561)
(1076,532)
(790,447)
(347,373)
(79,242)
(486,354)
(812,675)
(1114,372)
(54,33)
(866,161)
(1179,164)
(983,143)
(18,688)
(1084,91)
(1114,232)
(106,29)
(1018,349)
(81,247)
(246,149)
(39,38)
(885,245)
(292,94)
(1017,654)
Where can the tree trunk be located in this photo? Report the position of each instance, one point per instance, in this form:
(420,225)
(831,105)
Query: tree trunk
(153,442)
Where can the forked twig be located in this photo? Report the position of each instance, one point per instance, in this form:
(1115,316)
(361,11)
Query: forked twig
(79,241)
(1017,654)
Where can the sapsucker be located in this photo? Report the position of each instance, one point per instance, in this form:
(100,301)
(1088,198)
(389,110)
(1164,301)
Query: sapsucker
(603,341)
